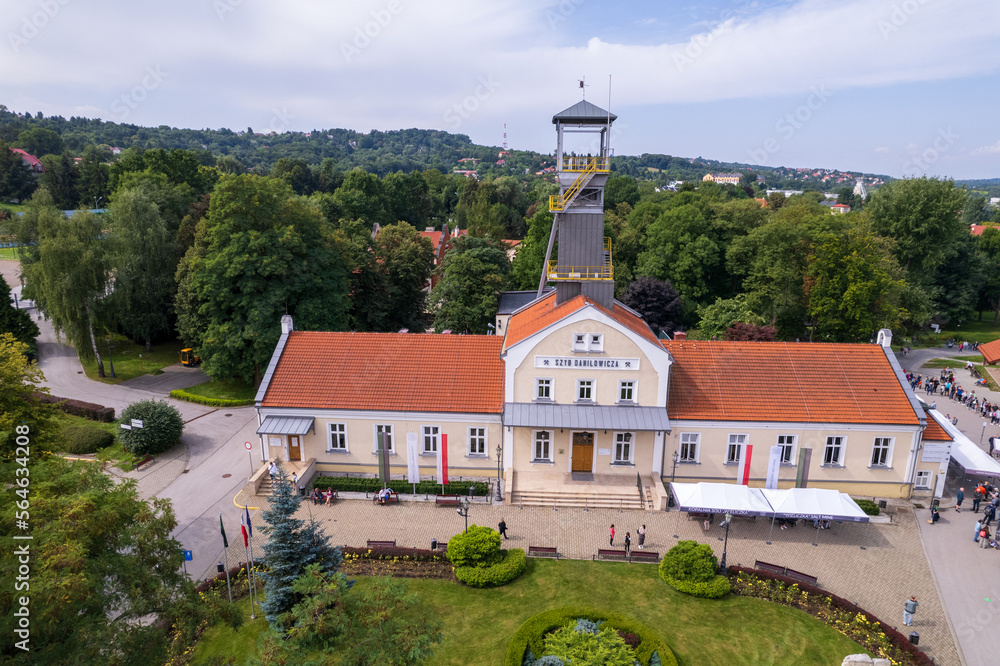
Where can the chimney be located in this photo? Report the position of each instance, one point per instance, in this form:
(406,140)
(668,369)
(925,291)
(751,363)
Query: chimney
(286,325)
(885,338)
(680,335)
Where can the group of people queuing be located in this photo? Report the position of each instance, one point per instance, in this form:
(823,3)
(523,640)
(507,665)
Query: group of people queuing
(946,385)
(962,345)
(986,495)
(640,535)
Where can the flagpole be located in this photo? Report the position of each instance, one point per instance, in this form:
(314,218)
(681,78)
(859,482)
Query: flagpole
(253,568)
(225,554)
(246,550)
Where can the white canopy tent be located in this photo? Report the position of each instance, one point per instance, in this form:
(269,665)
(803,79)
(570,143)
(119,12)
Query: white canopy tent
(720,498)
(967,453)
(814,504)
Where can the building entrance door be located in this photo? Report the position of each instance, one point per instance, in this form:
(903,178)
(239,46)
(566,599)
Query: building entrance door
(294,447)
(583,452)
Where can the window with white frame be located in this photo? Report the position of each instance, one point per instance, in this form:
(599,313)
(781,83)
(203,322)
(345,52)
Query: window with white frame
(585,390)
(336,439)
(623,447)
(787,444)
(882,452)
(596,342)
(387,429)
(833,452)
(689,447)
(543,448)
(543,388)
(432,434)
(579,342)
(593,342)
(734,452)
(923,480)
(626,390)
(477,441)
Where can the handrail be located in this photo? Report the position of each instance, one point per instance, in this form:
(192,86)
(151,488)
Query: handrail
(558,202)
(602,164)
(606,272)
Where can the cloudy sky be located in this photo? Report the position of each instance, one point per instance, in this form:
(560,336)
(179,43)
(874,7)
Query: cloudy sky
(901,87)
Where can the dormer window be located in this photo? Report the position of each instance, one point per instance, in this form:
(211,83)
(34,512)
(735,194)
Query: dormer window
(579,342)
(588,342)
(596,342)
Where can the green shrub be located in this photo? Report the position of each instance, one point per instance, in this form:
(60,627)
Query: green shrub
(532,633)
(511,565)
(351,484)
(85,439)
(161,427)
(582,648)
(478,547)
(691,561)
(181,394)
(868,506)
(716,588)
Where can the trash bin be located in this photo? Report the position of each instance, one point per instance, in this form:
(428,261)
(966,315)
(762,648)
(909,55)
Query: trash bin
(882,504)
(914,638)
(434,544)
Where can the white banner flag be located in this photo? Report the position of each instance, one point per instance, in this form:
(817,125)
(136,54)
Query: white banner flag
(773,467)
(412,459)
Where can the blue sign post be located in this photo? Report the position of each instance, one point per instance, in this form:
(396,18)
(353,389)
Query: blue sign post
(187,558)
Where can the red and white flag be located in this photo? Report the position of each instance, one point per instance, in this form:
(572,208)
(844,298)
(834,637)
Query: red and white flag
(442,461)
(243,528)
(743,475)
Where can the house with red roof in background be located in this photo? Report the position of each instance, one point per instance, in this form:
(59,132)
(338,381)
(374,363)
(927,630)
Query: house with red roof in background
(30,161)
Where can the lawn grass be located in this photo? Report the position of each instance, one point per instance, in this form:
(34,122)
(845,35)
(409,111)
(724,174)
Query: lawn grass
(972,331)
(7,253)
(223,390)
(221,645)
(126,356)
(478,624)
(114,454)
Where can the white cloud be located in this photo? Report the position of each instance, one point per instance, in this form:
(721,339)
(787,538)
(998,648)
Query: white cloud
(988,150)
(882,149)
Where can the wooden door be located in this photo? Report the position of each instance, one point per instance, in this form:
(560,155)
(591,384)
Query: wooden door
(294,448)
(583,452)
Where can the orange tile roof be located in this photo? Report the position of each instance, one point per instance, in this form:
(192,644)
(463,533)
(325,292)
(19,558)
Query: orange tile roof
(389,371)
(784,381)
(544,312)
(934,432)
(990,351)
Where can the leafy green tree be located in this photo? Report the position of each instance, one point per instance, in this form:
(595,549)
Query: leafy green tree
(988,248)
(407,198)
(618,190)
(472,276)
(362,196)
(719,316)
(405,259)
(95,177)
(60,178)
(161,429)
(103,562)
(292,546)
(681,247)
(526,269)
(40,141)
(16,181)
(20,383)
(478,547)
(260,253)
(295,172)
(657,301)
(23,229)
(143,257)
(69,280)
(16,321)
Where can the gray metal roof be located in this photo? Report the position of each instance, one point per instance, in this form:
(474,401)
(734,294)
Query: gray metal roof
(583,112)
(286,425)
(511,301)
(605,417)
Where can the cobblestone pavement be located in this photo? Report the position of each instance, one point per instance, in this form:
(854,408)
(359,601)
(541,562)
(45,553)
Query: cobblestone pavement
(876,565)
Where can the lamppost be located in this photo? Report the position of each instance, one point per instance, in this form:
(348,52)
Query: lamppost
(464,511)
(980,434)
(110,359)
(499,495)
(673,473)
(725,544)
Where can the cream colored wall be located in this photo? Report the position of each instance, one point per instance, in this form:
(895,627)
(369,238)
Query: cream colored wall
(562,445)
(559,342)
(855,476)
(361,458)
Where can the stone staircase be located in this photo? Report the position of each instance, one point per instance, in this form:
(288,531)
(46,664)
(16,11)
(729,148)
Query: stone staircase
(625,500)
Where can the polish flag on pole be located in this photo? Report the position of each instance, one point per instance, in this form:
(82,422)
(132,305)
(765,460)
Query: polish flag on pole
(442,461)
(743,476)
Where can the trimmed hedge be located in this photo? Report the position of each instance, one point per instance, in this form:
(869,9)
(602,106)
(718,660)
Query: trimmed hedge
(868,506)
(513,564)
(181,394)
(690,567)
(88,410)
(532,634)
(352,484)
(714,589)
(85,439)
(162,427)
(793,593)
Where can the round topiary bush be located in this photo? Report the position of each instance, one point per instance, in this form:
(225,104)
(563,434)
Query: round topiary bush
(478,547)
(85,439)
(161,427)
(691,568)
(511,565)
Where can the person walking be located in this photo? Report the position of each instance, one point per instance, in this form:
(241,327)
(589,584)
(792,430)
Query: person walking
(612,542)
(975,536)
(272,471)
(503,529)
(642,535)
(977,497)
(628,543)
(989,514)
(909,608)
(958,499)
(984,537)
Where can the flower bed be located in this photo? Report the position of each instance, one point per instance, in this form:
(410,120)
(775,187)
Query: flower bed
(849,619)
(396,562)
(353,484)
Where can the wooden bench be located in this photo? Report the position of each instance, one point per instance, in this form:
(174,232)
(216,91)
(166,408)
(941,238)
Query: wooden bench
(543,551)
(448,500)
(142,462)
(381,544)
(645,555)
(798,575)
(391,497)
(605,553)
(765,566)
(322,496)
